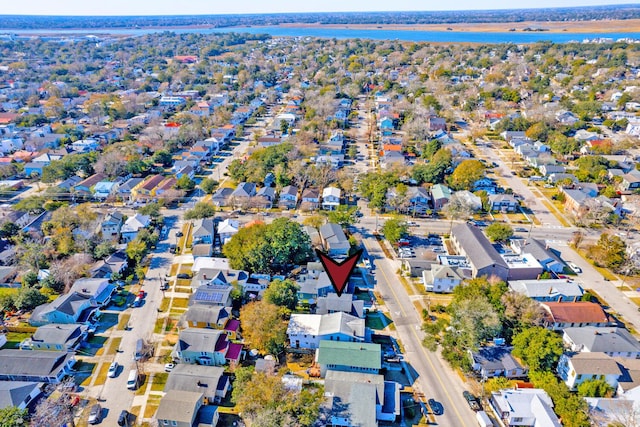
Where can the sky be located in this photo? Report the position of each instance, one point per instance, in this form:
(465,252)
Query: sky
(212,7)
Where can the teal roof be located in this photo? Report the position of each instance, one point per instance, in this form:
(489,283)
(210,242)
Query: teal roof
(360,355)
(440,191)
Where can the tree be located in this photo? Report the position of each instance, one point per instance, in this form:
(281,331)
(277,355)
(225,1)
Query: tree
(315,221)
(497,383)
(268,247)
(29,298)
(538,347)
(499,232)
(466,174)
(9,230)
(457,208)
(103,250)
(609,251)
(200,210)
(136,250)
(152,209)
(394,229)
(185,183)
(31,204)
(11,416)
(209,185)
(283,293)
(344,216)
(264,326)
(595,388)
(474,320)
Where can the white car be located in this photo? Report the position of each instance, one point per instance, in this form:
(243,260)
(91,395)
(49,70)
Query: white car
(574,267)
(113,370)
(169,367)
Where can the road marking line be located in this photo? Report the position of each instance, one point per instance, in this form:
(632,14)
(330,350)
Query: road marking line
(424,351)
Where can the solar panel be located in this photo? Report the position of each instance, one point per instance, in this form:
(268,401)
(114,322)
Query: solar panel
(208,296)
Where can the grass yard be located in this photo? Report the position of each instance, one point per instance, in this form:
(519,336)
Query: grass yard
(84,372)
(122,322)
(164,305)
(8,291)
(114,344)
(15,338)
(174,269)
(142,385)
(377,321)
(101,378)
(159,381)
(180,303)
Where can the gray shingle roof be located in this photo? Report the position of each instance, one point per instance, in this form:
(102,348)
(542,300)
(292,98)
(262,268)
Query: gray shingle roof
(178,405)
(355,396)
(196,378)
(607,340)
(32,363)
(477,247)
(13,393)
(57,333)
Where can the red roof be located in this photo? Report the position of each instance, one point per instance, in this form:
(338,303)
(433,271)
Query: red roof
(233,353)
(172,125)
(576,312)
(392,147)
(222,342)
(232,325)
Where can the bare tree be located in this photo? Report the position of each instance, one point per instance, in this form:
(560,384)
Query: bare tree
(457,208)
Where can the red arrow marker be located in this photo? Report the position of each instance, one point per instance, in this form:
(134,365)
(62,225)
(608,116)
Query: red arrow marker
(339,272)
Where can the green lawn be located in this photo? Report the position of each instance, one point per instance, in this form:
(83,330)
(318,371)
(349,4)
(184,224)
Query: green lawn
(15,338)
(377,321)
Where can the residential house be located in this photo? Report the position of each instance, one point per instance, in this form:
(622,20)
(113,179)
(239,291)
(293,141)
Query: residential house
(470,199)
(242,194)
(221,196)
(440,195)
(419,198)
(557,177)
(361,399)
(524,407)
(392,158)
(307,330)
(547,170)
(206,347)
(68,184)
(203,231)
(331,198)
(485,184)
(288,198)
(227,229)
(335,160)
(386,126)
(133,225)
(85,187)
(348,357)
(576,368)
(310,199)
(441,278)
(547,257)
(99,289)
(206,316)
(437,123)
(219,295)
(56,337)
(115,263)
(19,394)
(496,361)
(145,190)
(561,315)
(124,190)
(104,189)
(548,290)
(181,408)
(347,303)
(334,240)
(484,259)
(38,366)
(630,181)
(614,342)
(111,225)
(211,381)
(85,145)
(200,250)
(266,196)
(503,203)
(313,284)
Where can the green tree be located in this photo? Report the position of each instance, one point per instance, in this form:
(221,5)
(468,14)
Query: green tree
(610,251)
(29,298)
(538,347)
(185,183)
(30,279)
(136,250)
(499,232)
(344,215)
(200,210)
(571,408)
(162,157)
(497,383)
(9,230)
(208,185)
(103,250)
(11,416)
(595,388)
(268,247)
(264,326)
(152,209)
(283,293)
(31,204)
(394,229)
(466,174)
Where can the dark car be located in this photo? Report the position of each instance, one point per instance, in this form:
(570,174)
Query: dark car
(179,234)
(471,400)
(123,419)
(436,407)
(183,276)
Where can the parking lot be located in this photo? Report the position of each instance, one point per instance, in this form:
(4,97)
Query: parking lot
(421,247)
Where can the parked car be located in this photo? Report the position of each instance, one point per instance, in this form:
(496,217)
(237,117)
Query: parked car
(141,294)
(95,414)
(520,230)
(179,234)
(169,367)
(184,276)
(123,419)
(137,302)
(113,370)
(436,407)
(471,400)
(574,267)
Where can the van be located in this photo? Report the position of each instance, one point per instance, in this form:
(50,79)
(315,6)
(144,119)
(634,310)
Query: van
(132,381)
(483,419)
(139,350)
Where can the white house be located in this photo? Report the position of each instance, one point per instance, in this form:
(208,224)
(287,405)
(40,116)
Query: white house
(576,368)
(133,225)
(441,278)
(331,198)
(524,407)
(307,330)
(614,342)
(227,229)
